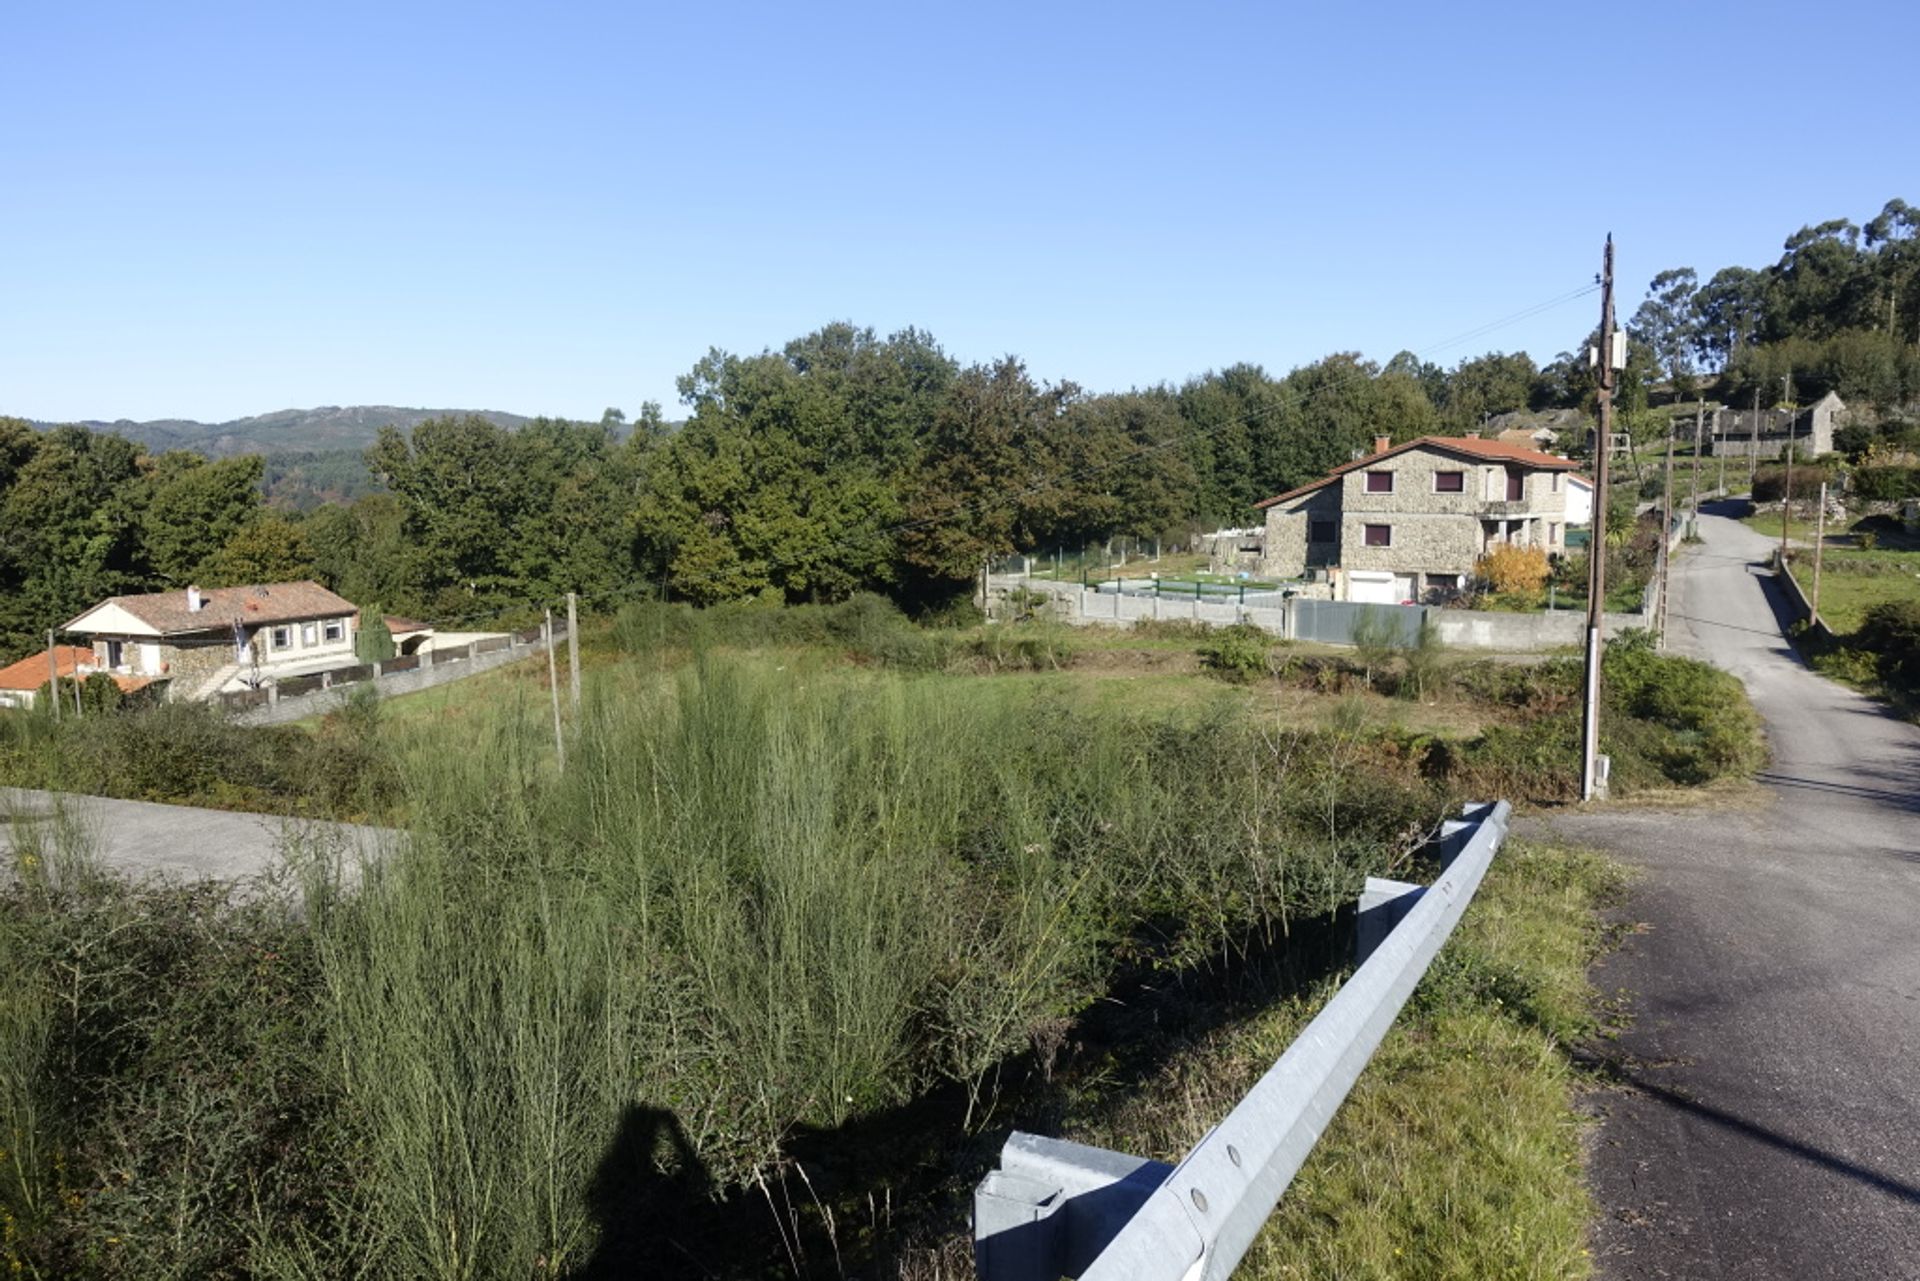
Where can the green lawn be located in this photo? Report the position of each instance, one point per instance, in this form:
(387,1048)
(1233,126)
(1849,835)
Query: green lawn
(1852,582)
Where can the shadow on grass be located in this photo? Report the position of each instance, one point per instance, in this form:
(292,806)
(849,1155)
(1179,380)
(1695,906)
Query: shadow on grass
(856,1200)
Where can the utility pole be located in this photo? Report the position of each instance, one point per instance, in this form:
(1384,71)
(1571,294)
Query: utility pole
(1819,541)
(553,684)
(1786,456)
(1666,542)
(53,676)
(573,651)
(1699,421)
(1720,448)
(1590,782)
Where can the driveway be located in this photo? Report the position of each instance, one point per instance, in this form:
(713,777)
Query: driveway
(1767,1122)
(178,842)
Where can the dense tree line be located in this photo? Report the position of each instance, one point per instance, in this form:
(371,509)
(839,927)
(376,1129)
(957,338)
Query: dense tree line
(848,460)
(1839,311)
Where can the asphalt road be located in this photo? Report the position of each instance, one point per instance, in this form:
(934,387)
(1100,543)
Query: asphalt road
(1767,1120)
(178,842)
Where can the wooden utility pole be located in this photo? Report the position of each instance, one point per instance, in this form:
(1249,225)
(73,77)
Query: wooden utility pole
(1699,421)
(1786,489)
(553,684)
(1819,541)
(1666,542)
(1590,783)
(53,676)
(573,651)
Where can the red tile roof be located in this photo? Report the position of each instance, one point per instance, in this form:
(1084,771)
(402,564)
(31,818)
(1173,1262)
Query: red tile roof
(31,672)
(1492,451)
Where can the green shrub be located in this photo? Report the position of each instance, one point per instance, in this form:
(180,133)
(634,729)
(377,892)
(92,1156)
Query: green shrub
(1241,652)
(1891,631)
(1770,482)
(1886,484)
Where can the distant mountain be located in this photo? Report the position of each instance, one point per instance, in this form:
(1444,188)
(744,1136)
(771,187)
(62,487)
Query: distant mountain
(323,430)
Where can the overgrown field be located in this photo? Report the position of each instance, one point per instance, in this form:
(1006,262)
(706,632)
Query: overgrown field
(754,984)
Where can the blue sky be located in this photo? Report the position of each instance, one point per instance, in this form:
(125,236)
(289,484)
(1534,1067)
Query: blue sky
(216,210)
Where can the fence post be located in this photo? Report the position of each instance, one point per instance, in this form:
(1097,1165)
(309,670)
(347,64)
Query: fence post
(273,692)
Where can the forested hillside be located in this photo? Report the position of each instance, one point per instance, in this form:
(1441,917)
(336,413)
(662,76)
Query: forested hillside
(847,460)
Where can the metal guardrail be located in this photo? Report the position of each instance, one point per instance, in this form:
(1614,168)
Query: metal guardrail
(1057,1209)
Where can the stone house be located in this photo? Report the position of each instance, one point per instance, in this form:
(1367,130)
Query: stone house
(224,638)
(1731,432)
(1409,520)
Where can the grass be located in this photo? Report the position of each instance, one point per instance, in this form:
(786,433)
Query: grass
(803,873)
(753,904)
(1458,1153)
(1852,582)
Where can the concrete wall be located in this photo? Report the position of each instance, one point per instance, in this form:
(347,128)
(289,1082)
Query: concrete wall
(438,669)
(1303,619)
(1797,599)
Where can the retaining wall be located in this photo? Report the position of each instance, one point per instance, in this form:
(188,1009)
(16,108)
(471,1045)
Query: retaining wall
(274,705)
(1302,618)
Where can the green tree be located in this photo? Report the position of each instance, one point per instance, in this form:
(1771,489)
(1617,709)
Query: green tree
(271,550)
(373,642)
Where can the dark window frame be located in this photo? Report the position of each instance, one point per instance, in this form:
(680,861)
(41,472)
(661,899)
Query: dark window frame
(1458,477)
(1367,533)
(1380,474)
(1322,531)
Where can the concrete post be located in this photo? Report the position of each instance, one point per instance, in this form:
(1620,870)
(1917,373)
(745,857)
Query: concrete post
(273,693)
(326,680)
(473,650)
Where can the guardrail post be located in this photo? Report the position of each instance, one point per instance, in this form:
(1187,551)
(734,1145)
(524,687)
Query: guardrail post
(1383,904)
(1053,1206)
(1060,1209)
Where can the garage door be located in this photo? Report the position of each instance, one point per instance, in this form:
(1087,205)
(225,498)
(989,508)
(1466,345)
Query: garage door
(1372,587)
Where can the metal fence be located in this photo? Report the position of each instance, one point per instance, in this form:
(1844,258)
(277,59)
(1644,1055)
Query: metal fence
(1057,1209)
(1339,622)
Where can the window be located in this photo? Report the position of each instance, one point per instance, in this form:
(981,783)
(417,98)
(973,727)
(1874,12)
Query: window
(334,629)
(1379,536)
(1379,482)
(1556,482)
(1553,532)
(1319,531)
(307,635)
(1449,482)
(1516,486)
(283,638)
(116,653)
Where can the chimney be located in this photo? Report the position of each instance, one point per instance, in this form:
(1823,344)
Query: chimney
(1473,433)
(193,600)
(1381,444)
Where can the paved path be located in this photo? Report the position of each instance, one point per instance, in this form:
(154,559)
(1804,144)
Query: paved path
(180,842)
(1769,1120)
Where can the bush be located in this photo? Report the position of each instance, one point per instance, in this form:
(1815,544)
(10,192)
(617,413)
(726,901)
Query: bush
(1241,652)
(1886,484)
(1512,568)
(1770,482)
(1891,630)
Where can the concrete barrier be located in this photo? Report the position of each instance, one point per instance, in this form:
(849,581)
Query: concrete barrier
(394,677)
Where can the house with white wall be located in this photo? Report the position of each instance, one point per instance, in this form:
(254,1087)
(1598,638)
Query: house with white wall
(206,642)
